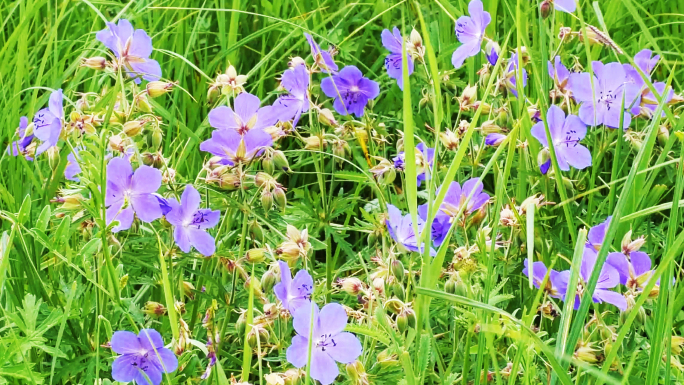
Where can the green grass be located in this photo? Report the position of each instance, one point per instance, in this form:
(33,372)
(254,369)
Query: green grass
(67,283)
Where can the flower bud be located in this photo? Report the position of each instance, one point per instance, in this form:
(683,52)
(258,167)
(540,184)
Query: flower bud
(398,270)
(268,280)
(53,157)
(229,181)
(212,94)
(262,179)
(189,289)
(379,285)
(398,290)
(341,148)
(95,63)
(133,127)
(241,323)
(159,88)
(154,308)
(545,8)
(450,286)
(255,255)
(449,139)
(266,200)
(351,285)
(313,143)
(357,373)
(256,230)
(326,117)
(267,163)
(586,353)
(663,136)
(157,137)
(280,160)
(279,196)
(262,335)
(143,104)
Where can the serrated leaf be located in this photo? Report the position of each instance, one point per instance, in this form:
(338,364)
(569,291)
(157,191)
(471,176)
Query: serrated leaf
(424,353)
(376,334)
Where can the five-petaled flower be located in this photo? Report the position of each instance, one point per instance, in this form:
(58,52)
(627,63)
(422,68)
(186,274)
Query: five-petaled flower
(191,223)
(142,357)
(566,133)
(293,293)
(635,271)
(646,62)
(245,116)
(465,200)
(327,338)
(470,32)
(323,59)
(393,41)
(291,106)
(611,90)
(608,279)
(131,193)
(234,148)
(559,73)
(440,224)
(597,234)
(512,73)
(401,230)
(48,122)
(351,91)
(132,49)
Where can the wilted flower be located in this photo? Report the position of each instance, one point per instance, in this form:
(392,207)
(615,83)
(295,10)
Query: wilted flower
(323,59)
(470,32)
(566,134)
(608,279)
(492,51)
(393,41)
(384,171)
(129,193)
(329,342)
(611,86)
(512,73)
(494,139)
(143,356)
(425,158)
(350,90)
(48,122)
(132,49)
(72,168)
(233,148)
(246,115)
(292,105)
(191,223)
(25,138)
(560,75)
(158,88)
(400,228)
(294,293)
(296,246)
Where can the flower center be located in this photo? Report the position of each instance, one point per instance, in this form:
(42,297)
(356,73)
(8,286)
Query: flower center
(325,341)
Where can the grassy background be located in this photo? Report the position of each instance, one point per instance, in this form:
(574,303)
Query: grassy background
(43,42)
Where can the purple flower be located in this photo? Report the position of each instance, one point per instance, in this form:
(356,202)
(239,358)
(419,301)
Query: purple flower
(322,58)
(351,91)
(329,342)
(425,154)
(191,223)
(293,293)
(568,6)
(492,51)
(129,193)
(597,234)
(610,85)
(234,148)
(141,356)
(608,279)
(440,224)
(470,32)
(19,146)
(456,197)
(538,273)
(646,62)
(292,105)
(559,73)
(392,41)
(565,134)
(512,75)
(400,228)
(246,116)
(164,204)
(132,49)
(494,139)
(48,122)
(634,271)
(72,168)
